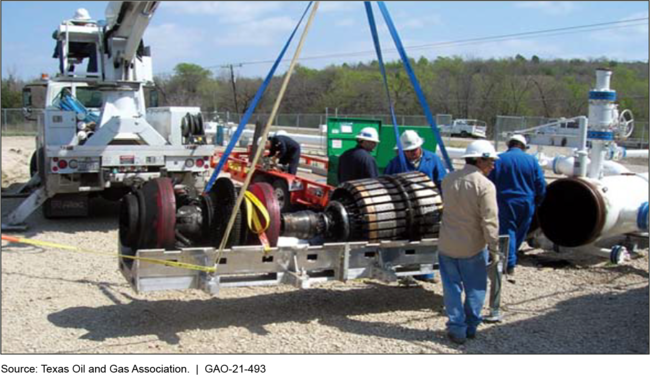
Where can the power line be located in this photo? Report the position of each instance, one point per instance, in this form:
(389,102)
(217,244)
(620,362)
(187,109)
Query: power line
(469,41)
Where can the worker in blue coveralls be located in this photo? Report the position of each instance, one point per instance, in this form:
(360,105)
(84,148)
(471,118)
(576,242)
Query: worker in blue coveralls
(285,151)
(418,159)
(520,185)
(358,163)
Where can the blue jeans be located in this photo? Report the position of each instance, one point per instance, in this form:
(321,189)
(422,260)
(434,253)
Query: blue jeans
(460,274)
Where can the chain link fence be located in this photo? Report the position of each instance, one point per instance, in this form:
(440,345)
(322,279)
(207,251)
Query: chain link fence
(314,121)
(14,123)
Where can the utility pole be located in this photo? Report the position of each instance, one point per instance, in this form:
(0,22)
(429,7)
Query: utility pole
(234,87)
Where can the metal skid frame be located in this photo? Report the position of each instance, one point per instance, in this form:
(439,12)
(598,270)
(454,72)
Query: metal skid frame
(297,265)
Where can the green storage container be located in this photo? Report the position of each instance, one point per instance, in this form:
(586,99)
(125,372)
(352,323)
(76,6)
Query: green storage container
(341,136)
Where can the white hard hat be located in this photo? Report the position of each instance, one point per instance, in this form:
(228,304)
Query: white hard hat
(82,15)
(368,134)
(480,149)
(518,137)
(410,140)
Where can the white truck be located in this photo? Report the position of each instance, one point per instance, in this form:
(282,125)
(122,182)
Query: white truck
(96,135)
(465,128)
(566,132)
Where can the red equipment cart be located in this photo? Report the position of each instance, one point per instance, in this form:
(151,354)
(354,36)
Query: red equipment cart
(290,190)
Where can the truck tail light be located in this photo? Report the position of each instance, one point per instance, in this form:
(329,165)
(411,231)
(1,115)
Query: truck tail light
(189,163)
(73,164)
(62,164)
(199,163)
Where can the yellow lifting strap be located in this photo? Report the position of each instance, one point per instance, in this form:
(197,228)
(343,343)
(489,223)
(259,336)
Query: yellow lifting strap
(255,208)
(174,264)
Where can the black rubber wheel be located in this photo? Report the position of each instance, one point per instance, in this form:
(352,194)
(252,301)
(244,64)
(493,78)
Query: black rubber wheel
(185,126)
(224,195)
(33,165)
(36,160)
(47,210)
(199,124)
(463,134)
(129,218)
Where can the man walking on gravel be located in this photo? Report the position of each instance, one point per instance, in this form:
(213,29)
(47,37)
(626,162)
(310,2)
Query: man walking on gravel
(470,227)
(520,185)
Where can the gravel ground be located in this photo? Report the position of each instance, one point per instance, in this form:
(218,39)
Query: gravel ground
(55,301)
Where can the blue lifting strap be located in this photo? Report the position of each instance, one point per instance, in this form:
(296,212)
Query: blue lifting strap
(382,68)
(251,108)
(414,82)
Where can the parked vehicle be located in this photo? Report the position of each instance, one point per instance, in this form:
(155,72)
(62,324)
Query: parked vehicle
(96,135)
(465,128)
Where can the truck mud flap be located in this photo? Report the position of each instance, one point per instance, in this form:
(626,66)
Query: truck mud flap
(66,205)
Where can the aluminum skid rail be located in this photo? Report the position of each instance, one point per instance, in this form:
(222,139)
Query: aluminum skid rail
(297,265)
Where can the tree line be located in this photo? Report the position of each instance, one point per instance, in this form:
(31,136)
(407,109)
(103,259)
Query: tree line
(473,88)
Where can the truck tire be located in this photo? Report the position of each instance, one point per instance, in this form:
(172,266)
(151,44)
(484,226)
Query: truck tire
(282,194)
(37,158)
(33,165)
(464,134)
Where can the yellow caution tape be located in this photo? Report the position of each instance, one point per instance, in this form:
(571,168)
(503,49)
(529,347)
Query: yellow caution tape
(174,264)
(255,208)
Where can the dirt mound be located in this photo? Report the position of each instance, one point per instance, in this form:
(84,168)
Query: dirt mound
(16,154)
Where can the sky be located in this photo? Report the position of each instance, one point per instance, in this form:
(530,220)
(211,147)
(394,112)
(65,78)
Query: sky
(216,34)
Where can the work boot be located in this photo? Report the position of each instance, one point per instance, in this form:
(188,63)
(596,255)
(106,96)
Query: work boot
(493,317)
(431,278)
(456,340)
(471,333)
(510,274)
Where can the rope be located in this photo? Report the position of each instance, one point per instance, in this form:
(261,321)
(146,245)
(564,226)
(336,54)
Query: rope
(266,130)
(174,264)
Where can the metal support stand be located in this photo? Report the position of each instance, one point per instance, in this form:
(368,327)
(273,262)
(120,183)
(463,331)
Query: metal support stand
(495,276)
(36,199)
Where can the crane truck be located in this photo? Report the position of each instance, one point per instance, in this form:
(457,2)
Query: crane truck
(96,136)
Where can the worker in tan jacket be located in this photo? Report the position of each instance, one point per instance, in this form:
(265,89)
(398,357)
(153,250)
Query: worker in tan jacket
(470,226)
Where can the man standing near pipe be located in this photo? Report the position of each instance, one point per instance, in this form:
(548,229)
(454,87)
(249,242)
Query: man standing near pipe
(470,224)
(521,186)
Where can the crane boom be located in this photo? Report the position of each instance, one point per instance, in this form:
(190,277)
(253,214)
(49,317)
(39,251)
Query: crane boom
(127,22)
